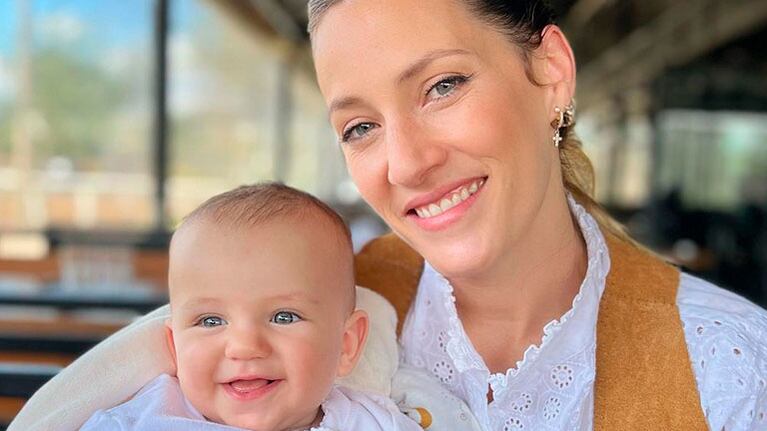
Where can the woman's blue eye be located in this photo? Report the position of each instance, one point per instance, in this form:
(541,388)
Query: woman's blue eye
(210,321)
(285,317)
(446,86)
(357,131)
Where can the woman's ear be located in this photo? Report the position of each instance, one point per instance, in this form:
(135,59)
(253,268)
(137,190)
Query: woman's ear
(355,335)
(554,65)
(169,339)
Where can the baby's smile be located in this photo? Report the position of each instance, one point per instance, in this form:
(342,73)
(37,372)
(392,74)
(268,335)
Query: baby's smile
(248,388)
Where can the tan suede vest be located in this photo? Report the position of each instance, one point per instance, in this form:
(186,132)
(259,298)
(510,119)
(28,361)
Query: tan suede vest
(644,379)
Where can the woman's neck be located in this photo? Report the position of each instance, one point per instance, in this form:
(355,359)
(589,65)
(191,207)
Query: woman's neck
(534,283)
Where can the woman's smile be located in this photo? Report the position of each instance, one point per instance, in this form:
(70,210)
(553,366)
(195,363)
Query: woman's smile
(438,210)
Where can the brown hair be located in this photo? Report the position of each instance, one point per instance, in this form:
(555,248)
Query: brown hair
(523,23)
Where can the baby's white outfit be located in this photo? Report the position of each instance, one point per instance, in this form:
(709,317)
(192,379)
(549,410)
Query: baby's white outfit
(161,405)
(372,397)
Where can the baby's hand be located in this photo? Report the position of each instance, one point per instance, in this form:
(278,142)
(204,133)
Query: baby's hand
(421,397)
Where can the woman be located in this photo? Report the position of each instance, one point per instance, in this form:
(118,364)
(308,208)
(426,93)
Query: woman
(434,98)
(455,119)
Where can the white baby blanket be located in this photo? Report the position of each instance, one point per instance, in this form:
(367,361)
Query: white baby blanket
(117,368)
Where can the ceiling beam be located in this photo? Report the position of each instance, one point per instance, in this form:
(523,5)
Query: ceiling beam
(279,18)
(679,35)
(583,11)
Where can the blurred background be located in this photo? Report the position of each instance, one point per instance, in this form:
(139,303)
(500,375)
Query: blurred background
(119,117)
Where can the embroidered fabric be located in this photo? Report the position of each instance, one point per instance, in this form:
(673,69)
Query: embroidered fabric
(727,341)
(552,387)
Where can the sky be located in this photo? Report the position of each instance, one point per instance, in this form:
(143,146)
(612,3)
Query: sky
(111,22)
(116,36)
(106,32)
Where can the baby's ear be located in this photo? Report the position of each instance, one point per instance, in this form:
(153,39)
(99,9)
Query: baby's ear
(169,339)
(355,334)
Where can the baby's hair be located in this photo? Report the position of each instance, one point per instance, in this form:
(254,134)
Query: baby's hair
(256,204)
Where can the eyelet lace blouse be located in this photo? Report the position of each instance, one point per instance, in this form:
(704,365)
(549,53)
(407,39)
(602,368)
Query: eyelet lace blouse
(552,387)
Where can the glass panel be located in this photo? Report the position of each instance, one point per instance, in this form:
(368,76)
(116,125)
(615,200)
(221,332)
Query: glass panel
(715,160)
(620,149)
(75,114)
(244,108)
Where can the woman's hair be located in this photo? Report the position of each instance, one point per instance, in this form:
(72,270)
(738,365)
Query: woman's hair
(523,23)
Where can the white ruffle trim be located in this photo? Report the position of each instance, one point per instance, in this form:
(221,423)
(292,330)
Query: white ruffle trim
(466,358)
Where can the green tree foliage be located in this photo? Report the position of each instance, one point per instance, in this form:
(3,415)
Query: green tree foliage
(77,102)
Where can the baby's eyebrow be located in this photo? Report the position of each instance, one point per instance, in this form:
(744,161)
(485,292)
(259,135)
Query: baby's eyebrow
(199,302)
(295,296)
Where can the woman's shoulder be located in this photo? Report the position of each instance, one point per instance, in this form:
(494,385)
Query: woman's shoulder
(726,338)
(702,296)
(713,315)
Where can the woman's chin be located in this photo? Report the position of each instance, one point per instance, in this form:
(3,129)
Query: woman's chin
(458,260)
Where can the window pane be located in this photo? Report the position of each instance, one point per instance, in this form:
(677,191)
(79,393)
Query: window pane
(75,102)
(244,107)
(696,144)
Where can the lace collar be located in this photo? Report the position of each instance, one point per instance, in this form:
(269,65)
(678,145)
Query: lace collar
(434,338)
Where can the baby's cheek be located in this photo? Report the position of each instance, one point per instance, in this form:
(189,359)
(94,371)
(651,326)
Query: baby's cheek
(319,360)
(201,395)
(196,373)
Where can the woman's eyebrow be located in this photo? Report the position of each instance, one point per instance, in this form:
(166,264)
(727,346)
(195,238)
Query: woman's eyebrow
(344,102)
(408,73)
(424,61)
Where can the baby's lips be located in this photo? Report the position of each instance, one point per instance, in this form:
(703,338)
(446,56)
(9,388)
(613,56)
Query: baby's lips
(249,385)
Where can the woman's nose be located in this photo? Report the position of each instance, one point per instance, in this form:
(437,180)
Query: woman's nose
(247,343)
(411,154)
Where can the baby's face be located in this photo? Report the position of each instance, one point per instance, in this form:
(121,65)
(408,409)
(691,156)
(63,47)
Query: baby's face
(260,321)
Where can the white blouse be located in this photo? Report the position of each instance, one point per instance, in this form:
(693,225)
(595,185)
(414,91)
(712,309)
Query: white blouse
(552,387)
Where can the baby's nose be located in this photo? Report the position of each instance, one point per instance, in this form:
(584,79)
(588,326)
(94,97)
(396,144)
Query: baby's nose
(247,343)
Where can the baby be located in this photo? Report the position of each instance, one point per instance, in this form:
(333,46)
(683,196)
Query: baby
(262,323)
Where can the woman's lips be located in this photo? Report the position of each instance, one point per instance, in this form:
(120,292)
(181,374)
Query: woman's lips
(250,389)
(449,200)
(452,207)
(424,201)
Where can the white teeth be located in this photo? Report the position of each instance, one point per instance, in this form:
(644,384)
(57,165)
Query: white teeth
(445,204)
(433,210)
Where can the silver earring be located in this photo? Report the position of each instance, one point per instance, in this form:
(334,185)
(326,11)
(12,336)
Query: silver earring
(565,118)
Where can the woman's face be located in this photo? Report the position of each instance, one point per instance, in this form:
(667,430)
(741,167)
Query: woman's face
(443,133)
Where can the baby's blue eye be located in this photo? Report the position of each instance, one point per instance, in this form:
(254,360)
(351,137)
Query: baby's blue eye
(210,321)
(285,317)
